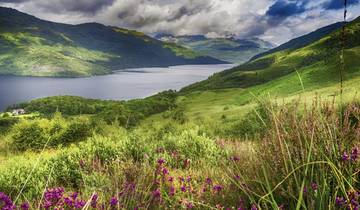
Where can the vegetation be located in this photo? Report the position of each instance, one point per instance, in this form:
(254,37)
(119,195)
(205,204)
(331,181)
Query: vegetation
(284,136)
(34,47)
(227,49)
(316,63)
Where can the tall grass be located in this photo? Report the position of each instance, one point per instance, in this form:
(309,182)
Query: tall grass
(306,158)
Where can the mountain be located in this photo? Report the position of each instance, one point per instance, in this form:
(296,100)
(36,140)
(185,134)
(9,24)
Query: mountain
(33,47)
(227,49)
(317,64)
(302,41)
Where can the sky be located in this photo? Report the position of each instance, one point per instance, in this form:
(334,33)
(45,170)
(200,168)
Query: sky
(276,21)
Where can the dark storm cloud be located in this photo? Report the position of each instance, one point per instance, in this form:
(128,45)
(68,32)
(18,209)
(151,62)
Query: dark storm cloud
(86,6)
(58,6)
(338,4)
(140,13)
(12,1)
(284,8)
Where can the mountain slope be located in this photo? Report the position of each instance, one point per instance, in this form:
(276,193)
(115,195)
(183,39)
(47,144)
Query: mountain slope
(317,64)
(30,46)
(228,49)
(302,41)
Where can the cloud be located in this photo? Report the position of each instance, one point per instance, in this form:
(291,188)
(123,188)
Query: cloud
(59,6)
(284,8)
(338,4)
(274,20)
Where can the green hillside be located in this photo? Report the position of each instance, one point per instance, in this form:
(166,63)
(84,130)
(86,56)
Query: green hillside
(317,64)
(33,47)
(227,49)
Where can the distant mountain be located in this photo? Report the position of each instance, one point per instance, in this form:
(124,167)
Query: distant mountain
(317,63)
(35,47)
(302,41)
(228,49)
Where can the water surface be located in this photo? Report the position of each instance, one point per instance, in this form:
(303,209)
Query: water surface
(122,85)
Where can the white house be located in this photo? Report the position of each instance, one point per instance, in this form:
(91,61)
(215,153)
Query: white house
(18,112)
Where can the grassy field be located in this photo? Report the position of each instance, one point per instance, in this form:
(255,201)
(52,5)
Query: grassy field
(286,138)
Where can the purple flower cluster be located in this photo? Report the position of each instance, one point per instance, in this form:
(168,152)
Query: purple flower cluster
(351,203)
(6,203)
(352,157)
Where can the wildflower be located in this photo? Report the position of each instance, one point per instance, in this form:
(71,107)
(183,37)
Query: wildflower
(209,181)
(172,191)
(157,194)
(68,201)
(113,201)
(188,179)
(74,195)
(254,207)
(7,202)
(189,205)
(181,179)
(217,188)
(79,204)
(305,190)
(235,158)
(161,161)
(165,171)
(183,188)
(237,177)
(171,179)
(94,200)
(345,157)
(24,206)
(340,201)
(314,186)
(355,154)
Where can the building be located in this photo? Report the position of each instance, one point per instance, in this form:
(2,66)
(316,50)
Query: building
(17,112)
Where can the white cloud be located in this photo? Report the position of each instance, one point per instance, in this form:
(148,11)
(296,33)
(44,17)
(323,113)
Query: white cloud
(242,18)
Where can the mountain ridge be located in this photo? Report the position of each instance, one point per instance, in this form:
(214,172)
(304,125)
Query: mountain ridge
(230,49)
(35,47)
(317,62)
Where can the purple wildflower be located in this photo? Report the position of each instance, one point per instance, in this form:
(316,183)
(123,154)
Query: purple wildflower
(74,195)
(235,158)
(68,201)
(189,205)
(183,188)
(113,201)
(171,179)
(345,157)
(340,201)
(94,200)
(254,207)
(355,154)
(217,188)
(79,204)
(7,202)
(188,179)
(305,190)
(314,186)
(161,161)
(24,206)
(157,194)
(209,181)
(165,171)
(172,191)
